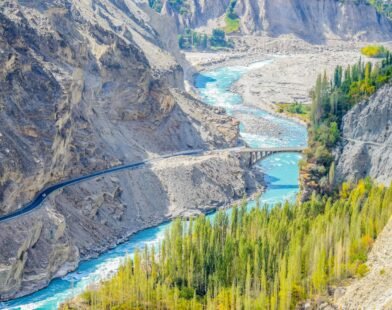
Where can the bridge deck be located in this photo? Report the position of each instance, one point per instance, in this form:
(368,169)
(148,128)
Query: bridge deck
(272,149)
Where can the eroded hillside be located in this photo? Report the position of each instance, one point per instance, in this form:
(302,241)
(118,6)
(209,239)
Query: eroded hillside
(367,140)
(314,21)
(87,85)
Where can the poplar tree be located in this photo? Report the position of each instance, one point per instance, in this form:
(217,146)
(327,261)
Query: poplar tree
(278,256)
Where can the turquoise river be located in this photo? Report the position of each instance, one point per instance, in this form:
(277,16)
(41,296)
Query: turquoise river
(258,129)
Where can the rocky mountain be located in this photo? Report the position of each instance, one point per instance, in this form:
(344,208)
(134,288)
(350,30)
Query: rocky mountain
(312,21)
(197,12)
(87,85)
(367,140)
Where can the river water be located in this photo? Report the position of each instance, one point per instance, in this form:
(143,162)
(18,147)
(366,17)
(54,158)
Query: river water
(258,129)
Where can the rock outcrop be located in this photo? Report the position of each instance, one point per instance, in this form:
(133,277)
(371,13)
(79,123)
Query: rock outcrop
(86,85)
(198,13)
(366,148)
(313,21)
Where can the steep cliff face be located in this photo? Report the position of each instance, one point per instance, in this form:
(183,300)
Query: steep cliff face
(86,85)
(367,145)
(198,12)
(310,20)
(314,20)
(82,221)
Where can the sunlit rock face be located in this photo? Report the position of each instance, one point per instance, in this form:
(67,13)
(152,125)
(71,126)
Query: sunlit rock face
(86,85)
(313,21)
(368,151)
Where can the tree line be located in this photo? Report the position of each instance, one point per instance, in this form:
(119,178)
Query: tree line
(192,39)
(264,258)
(331,99)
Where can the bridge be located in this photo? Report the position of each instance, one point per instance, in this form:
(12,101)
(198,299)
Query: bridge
(255,156)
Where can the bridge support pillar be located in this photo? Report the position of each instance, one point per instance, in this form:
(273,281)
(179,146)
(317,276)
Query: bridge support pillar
(256,155)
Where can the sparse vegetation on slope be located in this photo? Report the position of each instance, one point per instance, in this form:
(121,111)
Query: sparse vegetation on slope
(180,6)
(156,5)
(259,259)
(383,6)
(331,99)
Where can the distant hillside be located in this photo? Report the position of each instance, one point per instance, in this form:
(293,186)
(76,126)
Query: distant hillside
(383,6)
(313,21)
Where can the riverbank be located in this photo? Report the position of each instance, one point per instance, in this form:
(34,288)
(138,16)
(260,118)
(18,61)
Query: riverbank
(258,129)
(288,78)
(204,174)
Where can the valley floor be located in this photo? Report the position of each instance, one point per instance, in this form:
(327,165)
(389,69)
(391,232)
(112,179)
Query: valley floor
(290,75)
(289,78)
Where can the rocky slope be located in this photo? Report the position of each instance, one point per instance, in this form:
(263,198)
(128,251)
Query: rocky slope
(373,291)
(367,145)
(82,221)
(368,152)
(313,21)
(198,12)
(86,85)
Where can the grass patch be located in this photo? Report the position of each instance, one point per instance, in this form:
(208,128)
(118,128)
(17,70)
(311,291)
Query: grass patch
(298,110)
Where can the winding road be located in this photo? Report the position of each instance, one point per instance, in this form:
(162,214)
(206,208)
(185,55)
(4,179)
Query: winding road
(43,194)
(366,142)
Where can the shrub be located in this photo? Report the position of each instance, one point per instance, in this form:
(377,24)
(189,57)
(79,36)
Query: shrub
(218,38)
(374,51)
(362,270)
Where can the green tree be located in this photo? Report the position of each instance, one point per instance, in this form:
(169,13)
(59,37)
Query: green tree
(270,257)
(218,38)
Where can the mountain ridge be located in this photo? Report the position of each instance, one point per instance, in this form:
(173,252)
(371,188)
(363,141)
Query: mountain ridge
(313,21)
(86,86)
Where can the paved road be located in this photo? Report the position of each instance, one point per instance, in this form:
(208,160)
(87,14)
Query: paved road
(42,195)
(366,142)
